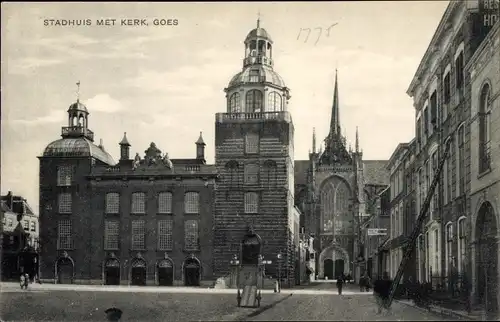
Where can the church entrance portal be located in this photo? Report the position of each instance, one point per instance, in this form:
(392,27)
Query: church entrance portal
(112,272)
(192,272)
(138,274)
(65,269)
(328,263)
(487,259)
(165,273)
(339,268)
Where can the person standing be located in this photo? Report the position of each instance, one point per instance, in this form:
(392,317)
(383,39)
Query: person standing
(340,283)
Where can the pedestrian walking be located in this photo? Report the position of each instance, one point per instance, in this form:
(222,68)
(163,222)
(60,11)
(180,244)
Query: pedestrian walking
(340,283)
(368,282)
(381,290)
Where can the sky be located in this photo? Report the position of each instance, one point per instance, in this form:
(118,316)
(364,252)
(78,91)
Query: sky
(164,84)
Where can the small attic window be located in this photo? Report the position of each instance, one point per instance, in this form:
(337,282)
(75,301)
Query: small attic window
(254,75)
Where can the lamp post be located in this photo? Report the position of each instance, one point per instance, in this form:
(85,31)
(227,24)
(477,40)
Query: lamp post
(279,257)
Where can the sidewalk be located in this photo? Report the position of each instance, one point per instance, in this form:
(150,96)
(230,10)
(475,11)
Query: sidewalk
(456,314)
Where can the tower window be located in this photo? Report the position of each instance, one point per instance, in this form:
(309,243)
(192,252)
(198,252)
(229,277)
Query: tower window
(65,203)
(252,143)
(253,102)
(254,76)
(251,173)
(64,175)
(251,202)
(64,233)
(235,103)
(274,102)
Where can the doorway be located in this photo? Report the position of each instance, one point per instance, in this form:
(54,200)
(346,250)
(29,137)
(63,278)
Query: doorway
(138,273)
(112,272)
(165,273)
(328,268)
(65,271)
(339,267)
(487,260)
(192,272)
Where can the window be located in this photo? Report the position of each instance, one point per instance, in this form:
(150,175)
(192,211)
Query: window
(254,75)
(165,203)
(434,161)
(165,228)
(253,102)
(446,89)
(65,203)
(235,103)
(449,248)
(252,143)
(191,203)
(32,226)
(274,102)
(251,173)
(64,240)
(426,122)
(419,132)
(111,234)
(26,225)
(270,172)
(112,203)
(460,161)
(64,175)
(232,172)
(138,235)
(191,237)
(484,129)
(251,202)
(461,244)
(434,109)
(459,71)
(138,203)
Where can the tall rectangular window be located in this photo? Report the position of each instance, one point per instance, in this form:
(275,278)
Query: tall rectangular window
(138,235)
(449,248)
(434,108)
(251,173)
(419,133)
(426,122)
(65,203)
(165,241)
(64,234)
(191,235)
(165,203)
(460,161)
(111,234)
(192,203)
(447,88)
(138,203)
(462,235)
(459,70)
(64,175)
(112,203)
(252,143)
(251,203)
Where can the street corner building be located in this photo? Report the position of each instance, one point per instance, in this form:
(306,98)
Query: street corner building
(19,238)
(145,220)
(337,191)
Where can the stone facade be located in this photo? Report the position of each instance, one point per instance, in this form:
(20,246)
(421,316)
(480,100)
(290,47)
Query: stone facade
(484,69)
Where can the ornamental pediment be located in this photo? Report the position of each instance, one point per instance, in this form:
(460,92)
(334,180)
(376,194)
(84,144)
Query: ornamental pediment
(153,158)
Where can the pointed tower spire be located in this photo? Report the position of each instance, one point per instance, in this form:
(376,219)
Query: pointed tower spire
(357,140)
(258,19)
(78,91)
(335,121)
(314,140)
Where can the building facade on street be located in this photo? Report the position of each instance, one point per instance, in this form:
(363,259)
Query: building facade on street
(381,246)
(141,221)
(336,190)
(441,91)
(484,69)
(254,160)
(19,238)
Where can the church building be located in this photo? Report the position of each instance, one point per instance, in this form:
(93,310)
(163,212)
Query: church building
(336,190)
(141,221)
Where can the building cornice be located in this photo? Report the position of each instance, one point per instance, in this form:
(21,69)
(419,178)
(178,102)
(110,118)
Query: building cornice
(433,46)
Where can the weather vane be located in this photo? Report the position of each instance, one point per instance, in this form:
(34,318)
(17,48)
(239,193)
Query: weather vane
(78,91)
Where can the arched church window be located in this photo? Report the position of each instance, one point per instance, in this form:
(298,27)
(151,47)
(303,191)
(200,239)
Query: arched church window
(274,102)
(235,103)
(253,102)
(484,128)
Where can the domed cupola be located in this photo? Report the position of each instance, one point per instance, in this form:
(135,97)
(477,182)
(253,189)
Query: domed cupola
(257,88)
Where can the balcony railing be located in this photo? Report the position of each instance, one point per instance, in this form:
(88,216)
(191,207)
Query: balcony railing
(258,116)
(69,131)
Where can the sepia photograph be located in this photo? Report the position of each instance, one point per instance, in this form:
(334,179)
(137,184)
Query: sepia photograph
(250,161)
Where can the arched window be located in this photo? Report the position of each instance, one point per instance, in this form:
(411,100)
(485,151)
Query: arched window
(235,103)
(462,236)
(449,249)
(274,102)
(253,102)
(335,206)
(484,128)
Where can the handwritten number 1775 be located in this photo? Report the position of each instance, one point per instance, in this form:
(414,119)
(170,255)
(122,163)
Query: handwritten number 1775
(319,34)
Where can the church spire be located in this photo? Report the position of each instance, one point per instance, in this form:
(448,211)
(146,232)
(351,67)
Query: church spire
(357,140)
(314,140)
(335,121)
